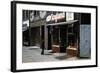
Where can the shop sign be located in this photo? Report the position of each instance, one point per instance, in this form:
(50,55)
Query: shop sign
(55,18)
(25,25)
(69,16)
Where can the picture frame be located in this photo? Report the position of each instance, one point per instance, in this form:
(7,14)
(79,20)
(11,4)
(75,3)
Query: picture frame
(52,16)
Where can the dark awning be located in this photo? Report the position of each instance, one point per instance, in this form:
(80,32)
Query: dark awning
(63,23)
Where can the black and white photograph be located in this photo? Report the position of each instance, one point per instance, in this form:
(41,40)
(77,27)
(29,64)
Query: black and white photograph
(47,36)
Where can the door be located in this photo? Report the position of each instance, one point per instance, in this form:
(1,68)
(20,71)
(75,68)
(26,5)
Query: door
(63,38)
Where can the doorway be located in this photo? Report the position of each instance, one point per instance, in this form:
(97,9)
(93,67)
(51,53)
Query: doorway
(57,38)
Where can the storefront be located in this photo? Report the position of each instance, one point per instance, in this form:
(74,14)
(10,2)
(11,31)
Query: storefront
(57,31)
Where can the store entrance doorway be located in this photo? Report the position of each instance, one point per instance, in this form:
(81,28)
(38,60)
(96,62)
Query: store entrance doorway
(57,38)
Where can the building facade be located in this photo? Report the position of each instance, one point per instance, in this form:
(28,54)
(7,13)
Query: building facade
(58,31)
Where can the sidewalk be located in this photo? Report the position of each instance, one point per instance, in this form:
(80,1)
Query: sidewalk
(33,54)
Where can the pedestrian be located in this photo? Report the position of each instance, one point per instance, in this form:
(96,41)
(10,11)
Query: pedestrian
(42,46)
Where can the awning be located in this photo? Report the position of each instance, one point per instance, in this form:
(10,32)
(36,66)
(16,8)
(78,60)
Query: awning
(63,23)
